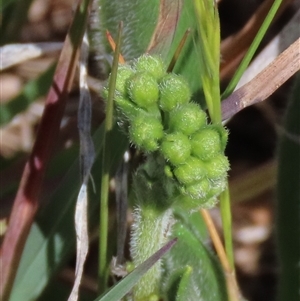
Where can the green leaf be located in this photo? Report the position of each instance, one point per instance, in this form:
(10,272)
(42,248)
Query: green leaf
(187,64)
(125,285)
(206,281)
(139,20)
(185,287)
(52,236)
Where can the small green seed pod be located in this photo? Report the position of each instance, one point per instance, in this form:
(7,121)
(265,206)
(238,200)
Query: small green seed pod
(223,132)
(124,72)
(187,203)
(198,190)
(206,144)
(126,106)
(188,119)
(190,172)
(145,131)
(168,171)
(176,148)
(174,91)
(151,64)
(217,167)
(217,186)
(143,89)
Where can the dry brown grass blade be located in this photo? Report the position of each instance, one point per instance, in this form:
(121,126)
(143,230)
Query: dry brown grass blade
(265,83)
(169,13)
(26,201)
(234,47)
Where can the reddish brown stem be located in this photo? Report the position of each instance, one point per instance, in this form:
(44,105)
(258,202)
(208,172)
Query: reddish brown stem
(26,201)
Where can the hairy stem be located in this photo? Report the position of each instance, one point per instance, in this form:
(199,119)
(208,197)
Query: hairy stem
(149,234)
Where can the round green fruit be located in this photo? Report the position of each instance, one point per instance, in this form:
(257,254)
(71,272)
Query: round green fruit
(176,148)
(198,190)
(206,144)
(188,119)
(126,106)
(124,72)
(145,132)
(151,64)
(143,89)
(174,91)
(190,172)
(217,167)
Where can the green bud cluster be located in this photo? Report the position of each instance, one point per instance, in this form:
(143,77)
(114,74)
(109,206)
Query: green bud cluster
(162,119)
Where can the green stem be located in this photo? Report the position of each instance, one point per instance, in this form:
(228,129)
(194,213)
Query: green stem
(227,225)
(149,234)
(103,230)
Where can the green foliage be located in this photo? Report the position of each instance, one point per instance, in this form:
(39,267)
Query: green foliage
(134,14)
(202,277)
(162,125)
(185,168)
(121,288)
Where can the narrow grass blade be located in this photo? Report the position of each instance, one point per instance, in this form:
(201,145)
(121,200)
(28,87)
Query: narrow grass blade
(125,285)
(251,51)
(103,229)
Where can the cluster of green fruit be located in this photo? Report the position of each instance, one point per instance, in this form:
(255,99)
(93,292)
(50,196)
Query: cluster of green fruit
(162,119)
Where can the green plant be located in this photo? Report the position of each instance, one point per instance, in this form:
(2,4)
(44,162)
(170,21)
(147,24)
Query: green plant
(176,170)
(184,169)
